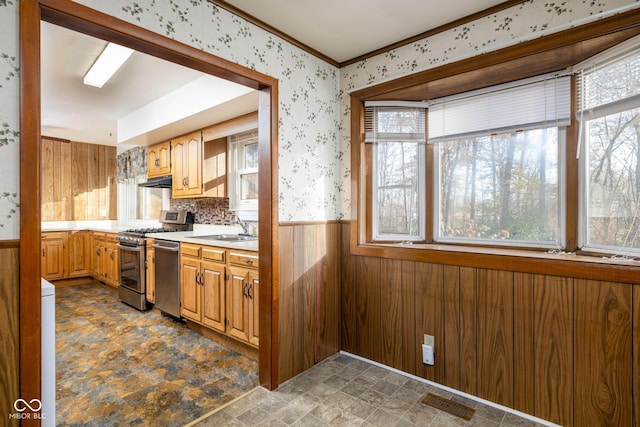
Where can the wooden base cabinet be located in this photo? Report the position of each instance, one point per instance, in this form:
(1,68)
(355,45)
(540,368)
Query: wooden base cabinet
(242,303)
(54,255)
(202,291)
(80,249)
(105,258)
(68,255)
(218,293)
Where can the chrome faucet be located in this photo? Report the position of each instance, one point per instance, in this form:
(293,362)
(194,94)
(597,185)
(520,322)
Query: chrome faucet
(243,224)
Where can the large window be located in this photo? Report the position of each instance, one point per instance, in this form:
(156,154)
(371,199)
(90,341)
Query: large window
(547,163)
(610,150)
(504,188)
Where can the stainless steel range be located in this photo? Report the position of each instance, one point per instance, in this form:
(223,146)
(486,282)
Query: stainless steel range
(132,245)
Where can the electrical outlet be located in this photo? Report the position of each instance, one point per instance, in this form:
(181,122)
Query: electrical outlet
(427,354)
(427,350)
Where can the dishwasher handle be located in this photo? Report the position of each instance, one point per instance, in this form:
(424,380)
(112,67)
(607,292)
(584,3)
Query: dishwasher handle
(166,248)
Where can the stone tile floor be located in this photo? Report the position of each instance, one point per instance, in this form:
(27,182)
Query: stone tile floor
(345,391)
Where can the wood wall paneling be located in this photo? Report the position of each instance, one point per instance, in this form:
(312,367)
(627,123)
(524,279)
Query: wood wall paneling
(636,355)
(429,319)
(367,308)
(468,331)
(450,348)
(56,180)
(523,343)
(79,179)
(408,318)
(9,362)
(347,295)
(291,361)
(93,182)
(553,349)
(561,349)
(392,325)
(307,270)
(309,295)
(603,363)
(329,301)
(495,336)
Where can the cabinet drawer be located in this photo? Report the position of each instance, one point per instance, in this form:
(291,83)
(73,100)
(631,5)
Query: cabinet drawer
(187,249)
(244,259)
(213,254)
(51,235)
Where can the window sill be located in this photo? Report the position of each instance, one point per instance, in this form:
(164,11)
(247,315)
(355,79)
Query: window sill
(516,260)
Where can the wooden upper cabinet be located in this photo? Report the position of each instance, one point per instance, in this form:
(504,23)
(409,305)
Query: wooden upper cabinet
(159,160)
(186,166)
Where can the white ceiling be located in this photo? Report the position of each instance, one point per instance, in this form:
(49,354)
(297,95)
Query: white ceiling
(345,29)
(339,29)
(74,111)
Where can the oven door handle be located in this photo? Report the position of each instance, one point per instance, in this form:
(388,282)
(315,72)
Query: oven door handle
(130,248)
(164,248)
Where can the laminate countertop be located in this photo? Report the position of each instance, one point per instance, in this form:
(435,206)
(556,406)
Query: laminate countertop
(192,237)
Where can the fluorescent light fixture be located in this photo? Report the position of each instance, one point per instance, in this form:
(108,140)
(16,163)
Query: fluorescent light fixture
(109,61)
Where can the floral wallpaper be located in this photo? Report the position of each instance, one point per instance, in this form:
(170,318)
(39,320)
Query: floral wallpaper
(9,121)
(314,168)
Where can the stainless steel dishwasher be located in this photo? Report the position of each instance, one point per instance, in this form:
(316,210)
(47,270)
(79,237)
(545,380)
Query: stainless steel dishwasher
(167,275)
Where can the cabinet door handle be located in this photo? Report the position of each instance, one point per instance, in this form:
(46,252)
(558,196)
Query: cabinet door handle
(248,261)
(197,277)
(244,290)
(42,251)
(249,291)
(111,255)
(157,162)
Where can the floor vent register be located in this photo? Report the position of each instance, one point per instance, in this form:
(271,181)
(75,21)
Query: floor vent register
(454,408)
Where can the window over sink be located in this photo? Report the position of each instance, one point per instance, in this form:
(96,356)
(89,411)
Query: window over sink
(243,171)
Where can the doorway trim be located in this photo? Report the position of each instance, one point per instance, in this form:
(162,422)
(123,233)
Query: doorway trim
(74,16)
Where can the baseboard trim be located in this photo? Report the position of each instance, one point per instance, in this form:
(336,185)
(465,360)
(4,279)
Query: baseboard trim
(454,391)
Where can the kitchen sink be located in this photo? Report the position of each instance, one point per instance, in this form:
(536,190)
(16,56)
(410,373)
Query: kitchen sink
(228,237)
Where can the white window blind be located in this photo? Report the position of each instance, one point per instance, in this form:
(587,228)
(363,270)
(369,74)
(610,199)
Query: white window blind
(603,87)
(395,121)
(542,101)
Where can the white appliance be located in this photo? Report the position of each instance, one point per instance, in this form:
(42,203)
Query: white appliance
(48,342)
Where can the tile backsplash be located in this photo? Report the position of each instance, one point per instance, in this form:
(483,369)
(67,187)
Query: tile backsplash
(206,210)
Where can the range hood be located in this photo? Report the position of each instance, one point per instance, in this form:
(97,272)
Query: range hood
(158,182)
